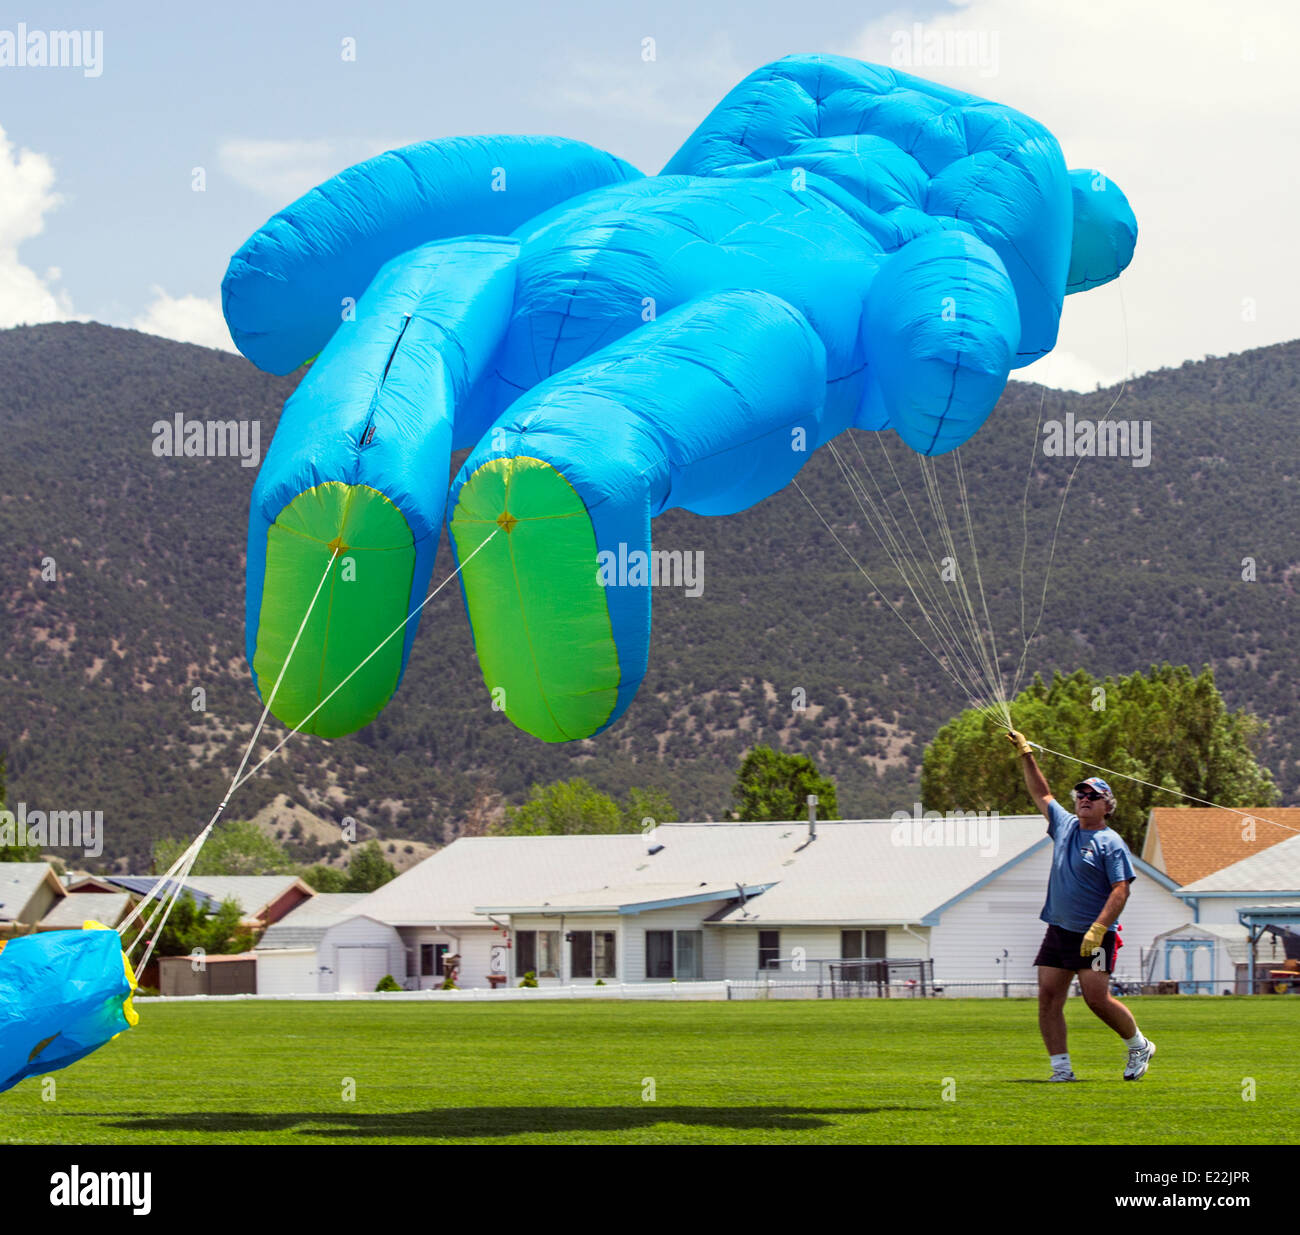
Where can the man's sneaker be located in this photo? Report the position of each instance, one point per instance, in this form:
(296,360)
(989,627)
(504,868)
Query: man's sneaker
(1062,1074)
(1139,1059)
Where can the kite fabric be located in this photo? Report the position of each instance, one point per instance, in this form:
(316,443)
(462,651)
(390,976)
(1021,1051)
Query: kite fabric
(837,245)
(63,994)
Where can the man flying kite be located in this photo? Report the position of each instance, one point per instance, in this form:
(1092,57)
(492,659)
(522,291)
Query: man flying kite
(1086,892)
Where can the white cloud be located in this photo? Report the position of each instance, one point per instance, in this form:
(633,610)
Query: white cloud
(643,110)
(26,196)
(284,170)
(187,319)
(1193,109)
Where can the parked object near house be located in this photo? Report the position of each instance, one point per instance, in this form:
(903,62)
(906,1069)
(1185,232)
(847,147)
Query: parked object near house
(210,975)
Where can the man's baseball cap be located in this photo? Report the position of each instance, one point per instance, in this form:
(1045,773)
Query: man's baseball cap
(1095,782)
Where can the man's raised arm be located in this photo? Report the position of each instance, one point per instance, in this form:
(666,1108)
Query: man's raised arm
(1035,781)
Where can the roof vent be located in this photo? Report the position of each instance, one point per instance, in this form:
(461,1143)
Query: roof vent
(812,816)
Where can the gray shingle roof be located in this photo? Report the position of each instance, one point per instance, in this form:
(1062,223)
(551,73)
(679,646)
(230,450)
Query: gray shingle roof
(73,910)
(855,871)
(18,884)
(1276,869)
(305,926)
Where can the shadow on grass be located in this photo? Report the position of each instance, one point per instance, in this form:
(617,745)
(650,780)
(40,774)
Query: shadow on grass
(1043,1080)
(483,1121)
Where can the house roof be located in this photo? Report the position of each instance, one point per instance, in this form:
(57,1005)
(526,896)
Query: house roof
(860,873)
(305,926)
(142,885)
(1275,869)
(631,898)
(1192,842)
(252,893)
(19,882)
(585,872)
(855,871)
(72,911)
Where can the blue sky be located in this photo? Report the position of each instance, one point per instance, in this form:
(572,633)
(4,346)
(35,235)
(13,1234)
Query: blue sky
(1198,120)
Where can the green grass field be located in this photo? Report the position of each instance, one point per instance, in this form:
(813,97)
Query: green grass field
(868,1071)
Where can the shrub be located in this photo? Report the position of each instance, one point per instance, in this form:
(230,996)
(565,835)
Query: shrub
(388,983)
(529,979)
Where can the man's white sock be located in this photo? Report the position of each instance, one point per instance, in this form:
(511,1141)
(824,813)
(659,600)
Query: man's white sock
(1061,1063)
(1136,1040)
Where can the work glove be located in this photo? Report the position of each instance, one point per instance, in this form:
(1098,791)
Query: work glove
(1020,742)
(1092,938)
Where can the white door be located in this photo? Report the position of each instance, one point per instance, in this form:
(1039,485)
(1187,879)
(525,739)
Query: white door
(360,969)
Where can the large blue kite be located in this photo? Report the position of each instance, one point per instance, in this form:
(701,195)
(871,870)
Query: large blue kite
(837,245)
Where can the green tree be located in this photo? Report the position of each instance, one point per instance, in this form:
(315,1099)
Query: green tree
(773,784)
(1165,726)
(368,869)
(566,808)
(576,808)
(234,848)
(325,878)
(189,927)
(643,804)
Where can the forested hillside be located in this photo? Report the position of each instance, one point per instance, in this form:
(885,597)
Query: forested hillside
(99,664)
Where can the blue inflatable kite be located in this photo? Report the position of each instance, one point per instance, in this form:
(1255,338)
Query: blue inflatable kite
(837,245)
(63,994)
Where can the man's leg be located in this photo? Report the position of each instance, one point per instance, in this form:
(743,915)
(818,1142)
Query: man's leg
(1053,990)
(1095,984)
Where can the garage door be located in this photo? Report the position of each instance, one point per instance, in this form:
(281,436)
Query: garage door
(360,969)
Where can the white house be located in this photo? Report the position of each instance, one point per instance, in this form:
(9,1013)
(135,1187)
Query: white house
(1229,909)
(706,901)
(1272,875)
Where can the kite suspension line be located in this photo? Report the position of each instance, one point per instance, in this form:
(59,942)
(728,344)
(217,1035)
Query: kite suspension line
(190,856)
(1060,514)
(172,884)
(1178,793)
(392,634)
(966,649)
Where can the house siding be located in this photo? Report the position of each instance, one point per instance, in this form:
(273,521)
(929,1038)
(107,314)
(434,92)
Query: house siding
(290,971)
(1223,909)
(357,932)
(674,918)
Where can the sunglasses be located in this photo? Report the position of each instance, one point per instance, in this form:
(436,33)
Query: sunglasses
(1088,795)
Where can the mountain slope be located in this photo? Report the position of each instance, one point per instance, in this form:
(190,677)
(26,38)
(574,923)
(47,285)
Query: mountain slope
(98,667)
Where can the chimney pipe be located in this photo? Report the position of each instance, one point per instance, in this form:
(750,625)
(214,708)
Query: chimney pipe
(812,816)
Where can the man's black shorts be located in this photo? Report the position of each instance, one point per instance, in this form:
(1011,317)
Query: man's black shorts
(1060,950)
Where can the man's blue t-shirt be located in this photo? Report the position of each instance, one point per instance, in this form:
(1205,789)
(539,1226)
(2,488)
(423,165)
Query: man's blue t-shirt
(1085,865)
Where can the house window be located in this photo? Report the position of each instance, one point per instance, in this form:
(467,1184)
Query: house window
(591,954)
(538,951)
(658,954)
(769,949)
(690,959)
(674,954)
(431,955)
(862,945)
